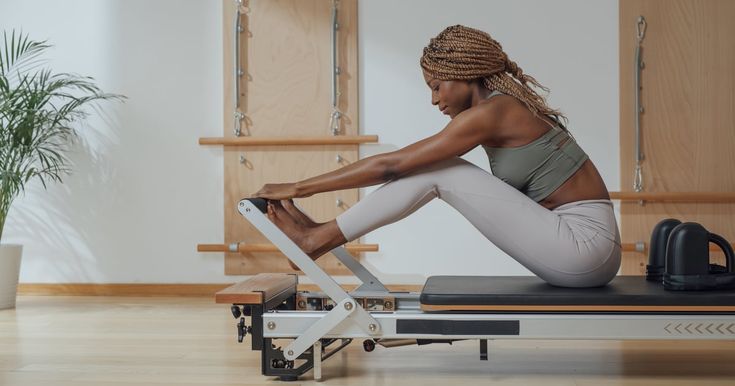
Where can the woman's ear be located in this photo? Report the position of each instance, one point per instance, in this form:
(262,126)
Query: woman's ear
(478,83)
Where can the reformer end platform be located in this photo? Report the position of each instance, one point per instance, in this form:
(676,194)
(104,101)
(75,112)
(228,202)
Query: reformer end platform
(259,289)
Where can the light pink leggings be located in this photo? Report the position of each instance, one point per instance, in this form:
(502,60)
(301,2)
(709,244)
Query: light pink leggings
(575,245)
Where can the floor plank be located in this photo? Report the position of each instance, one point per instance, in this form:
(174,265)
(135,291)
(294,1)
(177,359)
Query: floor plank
(80,340)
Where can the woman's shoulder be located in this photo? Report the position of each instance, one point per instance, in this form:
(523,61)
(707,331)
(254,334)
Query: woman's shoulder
(515,122)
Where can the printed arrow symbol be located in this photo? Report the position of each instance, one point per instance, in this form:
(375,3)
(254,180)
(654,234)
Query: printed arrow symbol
(667,328)
(719,328)
(708,328)
(687,328)
(677,328)
(729,328)
(697,328)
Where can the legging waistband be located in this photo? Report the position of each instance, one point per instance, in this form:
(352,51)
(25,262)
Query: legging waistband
(581,203)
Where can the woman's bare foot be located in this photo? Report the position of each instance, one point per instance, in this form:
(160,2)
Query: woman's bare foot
(314,241)
(295,230)
(297,214)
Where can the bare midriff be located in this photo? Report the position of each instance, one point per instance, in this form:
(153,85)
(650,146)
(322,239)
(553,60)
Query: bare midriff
(584,184)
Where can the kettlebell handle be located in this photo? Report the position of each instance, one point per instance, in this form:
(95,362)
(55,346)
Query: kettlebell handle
(727,248)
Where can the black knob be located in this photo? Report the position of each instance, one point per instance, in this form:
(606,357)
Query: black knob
(235,311)
(368,345)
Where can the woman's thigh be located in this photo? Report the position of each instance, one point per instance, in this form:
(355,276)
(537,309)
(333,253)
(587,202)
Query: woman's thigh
(535,236)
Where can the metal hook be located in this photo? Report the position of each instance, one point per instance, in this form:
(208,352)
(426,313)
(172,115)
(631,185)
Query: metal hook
(638,179)
(335,122)
(242,7)
(238,122)
(641,26)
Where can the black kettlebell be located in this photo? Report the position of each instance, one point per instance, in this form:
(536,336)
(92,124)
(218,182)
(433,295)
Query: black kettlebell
(687,260)
(657,249)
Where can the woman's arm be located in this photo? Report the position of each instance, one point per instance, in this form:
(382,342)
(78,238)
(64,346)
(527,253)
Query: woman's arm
(365,172)
(467,130)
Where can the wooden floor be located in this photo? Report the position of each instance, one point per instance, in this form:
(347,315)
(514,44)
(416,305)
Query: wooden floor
(191,341)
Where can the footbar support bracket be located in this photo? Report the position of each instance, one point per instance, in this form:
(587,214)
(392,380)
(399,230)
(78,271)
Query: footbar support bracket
(347,308)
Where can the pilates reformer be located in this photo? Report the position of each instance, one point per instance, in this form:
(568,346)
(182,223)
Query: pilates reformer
(449,308)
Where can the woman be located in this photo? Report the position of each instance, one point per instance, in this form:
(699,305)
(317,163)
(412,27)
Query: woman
(545,204)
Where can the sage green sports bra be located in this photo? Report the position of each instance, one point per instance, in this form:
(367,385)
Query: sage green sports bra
(538,168)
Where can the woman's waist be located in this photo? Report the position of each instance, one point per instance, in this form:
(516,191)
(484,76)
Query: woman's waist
(584,185)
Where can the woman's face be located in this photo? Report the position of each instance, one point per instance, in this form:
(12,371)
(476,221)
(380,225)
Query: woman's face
(450,96)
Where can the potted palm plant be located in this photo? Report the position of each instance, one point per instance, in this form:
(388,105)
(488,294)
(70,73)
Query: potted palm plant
(38,110)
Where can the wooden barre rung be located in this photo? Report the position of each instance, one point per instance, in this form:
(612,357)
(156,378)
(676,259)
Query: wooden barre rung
(258,289)
(289,141)
(250,248)
(721,197)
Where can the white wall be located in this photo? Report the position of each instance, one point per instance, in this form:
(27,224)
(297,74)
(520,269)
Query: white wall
(135,209)
(143,193)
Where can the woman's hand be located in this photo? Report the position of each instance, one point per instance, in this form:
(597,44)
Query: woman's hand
(277,192)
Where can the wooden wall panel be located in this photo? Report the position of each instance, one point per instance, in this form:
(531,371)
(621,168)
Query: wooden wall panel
(688,128)
(286,54)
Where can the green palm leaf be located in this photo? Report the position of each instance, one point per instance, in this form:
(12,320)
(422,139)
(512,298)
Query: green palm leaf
(38,110)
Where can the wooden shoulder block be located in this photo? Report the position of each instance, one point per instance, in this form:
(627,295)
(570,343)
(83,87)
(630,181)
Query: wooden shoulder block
(258,289)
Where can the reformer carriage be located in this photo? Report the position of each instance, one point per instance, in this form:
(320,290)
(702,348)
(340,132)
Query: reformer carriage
(449,308)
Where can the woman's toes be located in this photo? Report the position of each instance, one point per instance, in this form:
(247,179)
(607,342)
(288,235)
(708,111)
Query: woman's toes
(270,212)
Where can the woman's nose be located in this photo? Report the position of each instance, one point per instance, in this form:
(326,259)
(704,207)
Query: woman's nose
(434,100)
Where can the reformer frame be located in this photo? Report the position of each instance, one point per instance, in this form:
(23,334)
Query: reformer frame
(313,321)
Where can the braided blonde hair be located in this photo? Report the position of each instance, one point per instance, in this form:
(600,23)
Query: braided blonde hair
(464,53)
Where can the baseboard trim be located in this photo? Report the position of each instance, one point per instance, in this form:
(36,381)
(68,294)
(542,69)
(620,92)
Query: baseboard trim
(119,289)
(162,290)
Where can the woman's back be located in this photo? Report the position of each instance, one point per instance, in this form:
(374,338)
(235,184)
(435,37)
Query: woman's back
(517,153)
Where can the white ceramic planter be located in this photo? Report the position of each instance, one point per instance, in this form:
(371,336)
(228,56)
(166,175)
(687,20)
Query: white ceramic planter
(10,255)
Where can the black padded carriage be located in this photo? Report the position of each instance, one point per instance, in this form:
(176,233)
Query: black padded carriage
(625,294)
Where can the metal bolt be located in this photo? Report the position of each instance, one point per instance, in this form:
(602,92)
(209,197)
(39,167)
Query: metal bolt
(372,327)
(271,325)
(290,352)
(242,204)
(388,305)
(242,158)
(640,246)
(302,304)
(348,306)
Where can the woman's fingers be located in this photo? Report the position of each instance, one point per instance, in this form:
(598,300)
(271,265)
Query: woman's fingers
(276,192)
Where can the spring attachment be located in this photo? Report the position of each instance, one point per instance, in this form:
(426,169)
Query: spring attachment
(638,173)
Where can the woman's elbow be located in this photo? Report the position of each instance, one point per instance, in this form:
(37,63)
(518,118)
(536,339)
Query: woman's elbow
(388,168)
